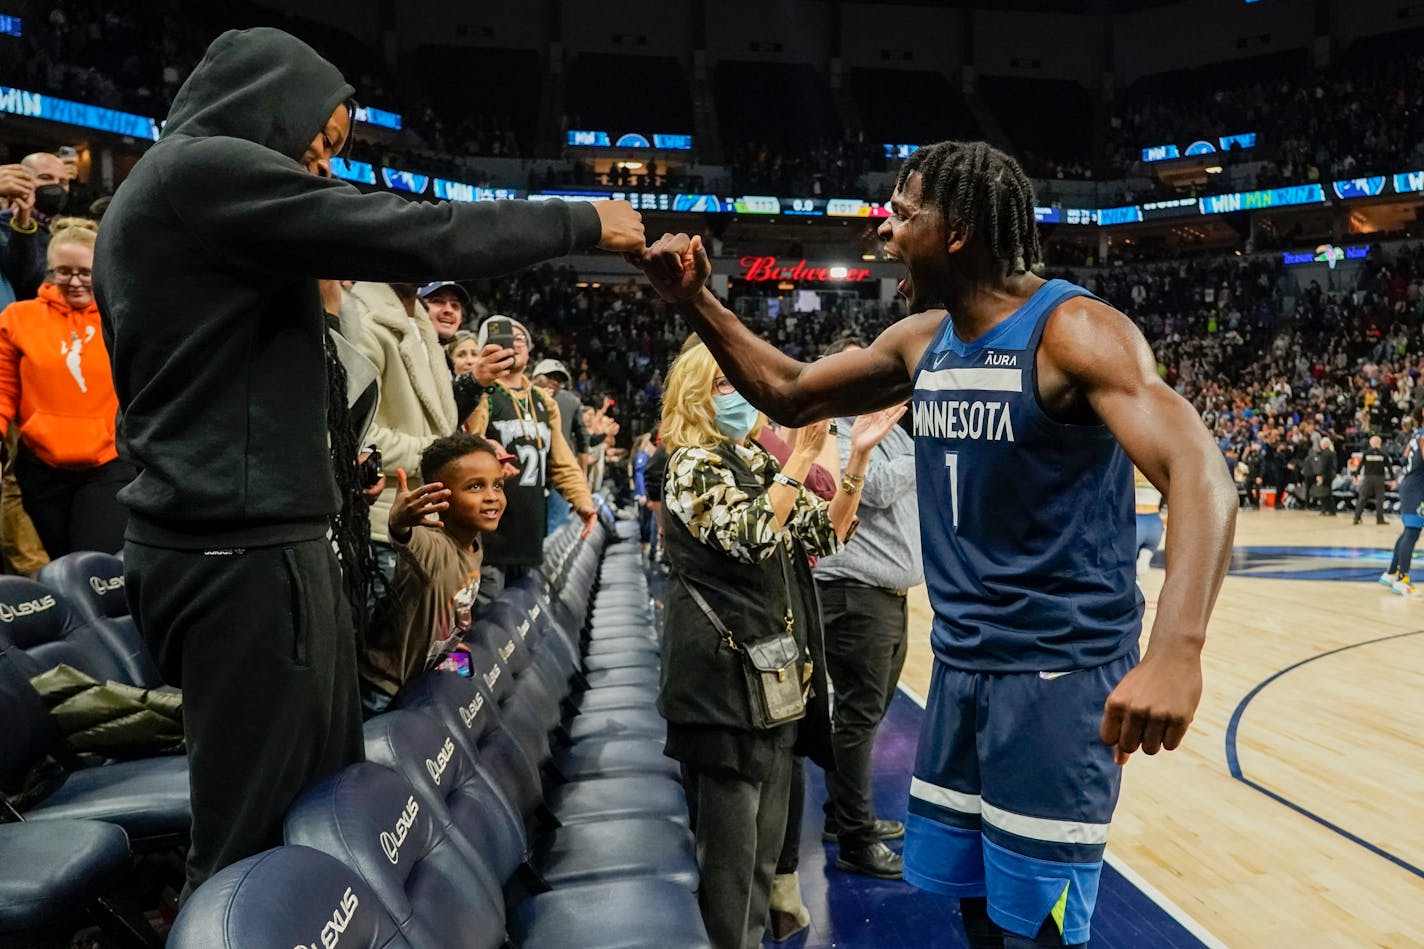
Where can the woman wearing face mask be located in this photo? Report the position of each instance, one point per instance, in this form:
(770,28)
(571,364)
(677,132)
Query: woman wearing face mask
(738,531)
(55,380)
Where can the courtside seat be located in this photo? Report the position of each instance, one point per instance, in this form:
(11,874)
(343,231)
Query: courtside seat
(618,723)
(512,757)
(92,581)
(370,819)
(641,654)
(43,624)
(287,896)
(147,797)
(49,869)
(643,675)
(479,817)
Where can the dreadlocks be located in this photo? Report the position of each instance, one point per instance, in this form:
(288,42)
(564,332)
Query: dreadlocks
(979,187)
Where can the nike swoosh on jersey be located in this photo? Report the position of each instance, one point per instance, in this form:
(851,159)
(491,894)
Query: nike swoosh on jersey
(1050,676)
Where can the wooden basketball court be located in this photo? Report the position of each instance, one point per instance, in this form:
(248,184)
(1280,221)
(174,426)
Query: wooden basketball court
(1293,815)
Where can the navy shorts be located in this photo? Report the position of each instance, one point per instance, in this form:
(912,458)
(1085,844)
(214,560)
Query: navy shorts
(1013,793)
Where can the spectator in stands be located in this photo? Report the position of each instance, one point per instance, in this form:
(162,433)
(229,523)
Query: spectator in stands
(17,187)
(55,382)
(448,305)
(463,350)
(417,402)
(227,408)
(29,219)
(863,591)
(520,417)
(739,531)
(552,376)
(438,574)
(647,526)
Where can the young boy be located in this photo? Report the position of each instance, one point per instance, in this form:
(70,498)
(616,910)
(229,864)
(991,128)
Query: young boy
(438,571)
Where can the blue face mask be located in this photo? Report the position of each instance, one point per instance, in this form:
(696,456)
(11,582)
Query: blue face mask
(735,415)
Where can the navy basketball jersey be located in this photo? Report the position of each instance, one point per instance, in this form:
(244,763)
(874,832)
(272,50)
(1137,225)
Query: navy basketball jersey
(1027,523)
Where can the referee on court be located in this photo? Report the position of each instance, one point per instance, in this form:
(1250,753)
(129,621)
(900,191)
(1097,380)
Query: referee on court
(1374,469)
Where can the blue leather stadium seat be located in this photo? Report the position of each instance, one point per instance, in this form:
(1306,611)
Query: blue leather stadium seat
(147,797)
(287,896)
(512,758)
(481,819)
(371,820)
(43,624)
(50,868)
(93,583)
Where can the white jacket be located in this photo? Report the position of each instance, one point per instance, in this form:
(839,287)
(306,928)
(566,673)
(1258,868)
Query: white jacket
(417,402)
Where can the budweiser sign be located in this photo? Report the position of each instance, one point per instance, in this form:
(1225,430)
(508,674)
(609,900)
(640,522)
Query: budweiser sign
(760,269)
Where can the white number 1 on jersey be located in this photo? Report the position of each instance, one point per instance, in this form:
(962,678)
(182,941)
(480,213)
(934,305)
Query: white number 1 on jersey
(951,461)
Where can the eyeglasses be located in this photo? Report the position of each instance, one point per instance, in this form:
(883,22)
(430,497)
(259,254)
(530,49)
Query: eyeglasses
(722,386)
(520,341)
(63,275)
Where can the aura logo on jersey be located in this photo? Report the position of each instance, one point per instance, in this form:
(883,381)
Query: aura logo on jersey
(436,766)
(391,840)
(340,919)
(10,613)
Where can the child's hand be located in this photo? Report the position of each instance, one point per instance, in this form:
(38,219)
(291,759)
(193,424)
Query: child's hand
(411,507)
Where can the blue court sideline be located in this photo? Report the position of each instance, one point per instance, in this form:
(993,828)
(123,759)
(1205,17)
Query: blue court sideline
(855,912)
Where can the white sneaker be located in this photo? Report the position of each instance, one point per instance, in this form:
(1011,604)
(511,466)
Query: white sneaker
(1403,587)
(1387,579)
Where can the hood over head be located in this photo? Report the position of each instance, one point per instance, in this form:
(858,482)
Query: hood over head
(261,85)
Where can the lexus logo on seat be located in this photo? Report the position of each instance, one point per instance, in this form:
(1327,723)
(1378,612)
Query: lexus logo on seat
(101,586)
(9,613)
(391,840)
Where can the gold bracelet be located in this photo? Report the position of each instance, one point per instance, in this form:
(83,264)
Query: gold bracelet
(849,484)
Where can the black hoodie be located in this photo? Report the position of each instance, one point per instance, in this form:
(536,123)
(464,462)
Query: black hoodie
(205,274)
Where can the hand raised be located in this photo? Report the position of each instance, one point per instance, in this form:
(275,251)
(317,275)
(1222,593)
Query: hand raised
(869,430)
(411,507)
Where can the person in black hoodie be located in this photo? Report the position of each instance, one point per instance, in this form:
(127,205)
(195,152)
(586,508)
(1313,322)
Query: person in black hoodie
(206,275)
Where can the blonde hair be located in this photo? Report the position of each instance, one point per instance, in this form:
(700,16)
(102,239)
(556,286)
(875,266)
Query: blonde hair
(71,230)
(689,417)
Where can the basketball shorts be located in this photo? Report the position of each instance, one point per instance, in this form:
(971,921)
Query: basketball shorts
(1149,531)
(1411,505)
(1013,793)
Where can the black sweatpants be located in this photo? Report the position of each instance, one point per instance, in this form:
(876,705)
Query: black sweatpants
(866,639)
(74,509)
(1372,488)
(261,642)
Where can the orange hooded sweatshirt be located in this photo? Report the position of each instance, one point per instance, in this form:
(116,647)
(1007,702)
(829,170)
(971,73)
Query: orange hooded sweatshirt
(55,377)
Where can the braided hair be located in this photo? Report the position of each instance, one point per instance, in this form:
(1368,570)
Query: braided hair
(351,526)
(979,187)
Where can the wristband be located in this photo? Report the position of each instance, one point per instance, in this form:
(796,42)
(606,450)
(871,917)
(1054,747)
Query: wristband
(780,478)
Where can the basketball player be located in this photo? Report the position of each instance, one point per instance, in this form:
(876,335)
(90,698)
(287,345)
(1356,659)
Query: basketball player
(1029,399)
(1411,515)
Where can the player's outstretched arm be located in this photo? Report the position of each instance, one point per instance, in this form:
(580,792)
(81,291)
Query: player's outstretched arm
(1103,356)
(791,392)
